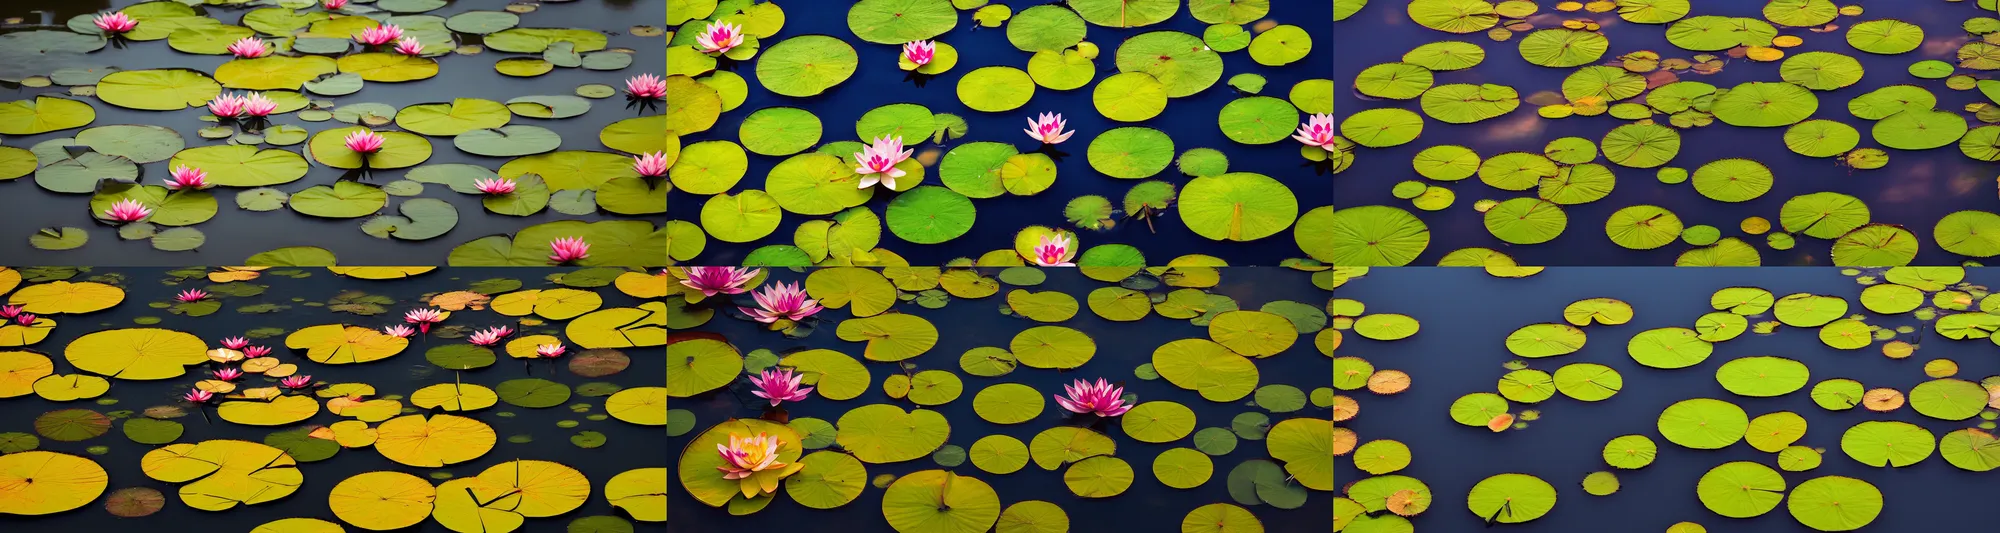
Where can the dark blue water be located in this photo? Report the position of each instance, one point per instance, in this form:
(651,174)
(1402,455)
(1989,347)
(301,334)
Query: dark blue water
(964,324)
(1190,121)
(234,234)
(1914,190)
(627,446)
(1466,315)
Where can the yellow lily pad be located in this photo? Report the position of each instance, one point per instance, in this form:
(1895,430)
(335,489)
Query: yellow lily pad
(221,474)
(60,297)
(40,482)
(20,370)
(339,344)
(382,501)
(136,353)
(552,304)
(277,412)
(454,397)
(620,327)
(435,441)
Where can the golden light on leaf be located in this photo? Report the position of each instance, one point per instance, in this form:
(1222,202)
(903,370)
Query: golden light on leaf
(221,474)
(1345,408)
(1388,382)
(337,344)
(353,433)
(435,441)
(37,482)
(1882,400)
(471,504)
(216,386)
(641,285)
(1407,503)
(1898,349)
(224,355)
(60,297)
(382,501)
(19,370)
(460,301)
(641,492)
(1500,422)
(1344,441)
(537,489)
(136,353)
(276,412)
(260,365)
(229,274)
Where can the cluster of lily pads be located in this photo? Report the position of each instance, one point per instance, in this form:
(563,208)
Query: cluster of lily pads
(1836,357)
(244,133)
(445,390)
(1603,118)
(1222,400)
(826,198)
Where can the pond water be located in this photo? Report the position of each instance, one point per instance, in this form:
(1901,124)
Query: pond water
(291,300)
(965,324)
(1916,189)
(235,234)
(1190,121)
(1466,316)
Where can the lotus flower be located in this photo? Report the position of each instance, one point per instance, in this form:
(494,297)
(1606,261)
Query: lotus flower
(198,396)
(494,186)
(743,457)
(423,318)
(379,35)
(336,4)
(25,319)
(717,279)
(253,352)
(1048,129)
(1099,398)
(192,295)
(235,343)
(779,386)
(186,177)
(568,249)
(399,331)
(250,48)
(491,336)
(878,162)
(410,46)
(646,86)
(115,22)
(226,106)
(1318,131)
(651,165)
(364,142)
(9,311)
(228,374)
(781,301)
(297,382)
(256,105)
(1053,252)
(550,350)
(919,52)
(719,37)
(127,211)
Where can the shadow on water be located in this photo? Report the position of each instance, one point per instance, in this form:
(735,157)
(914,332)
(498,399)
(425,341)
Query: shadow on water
(1190,121)
(236,234)
(1466,315)
(964,324)
(1915,189)
(302,302)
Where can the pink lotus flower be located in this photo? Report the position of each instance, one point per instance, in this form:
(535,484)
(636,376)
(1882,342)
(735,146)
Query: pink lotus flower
(9,311)
(192,295)
(1099,398)
(364,142)
(1049,129)
(743,457)
(253,352)
(127,211)
(651,165)
(379,35)
(494,186)
(186,177)
(398,331)
(491,336)
(25,319)
(719,37)
(646,86)
(250,48)
(257,105)
(116,22)
(235,343)
(1318,131)
(1053,252)
(410,46)
(780,300)
(423,318)
(228,374)
(718,279)
(550,350)
(878,162)
(568,249)
(919,52)
(198,396)
(336,4)
(297,382)
(226,106)
(779,386)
